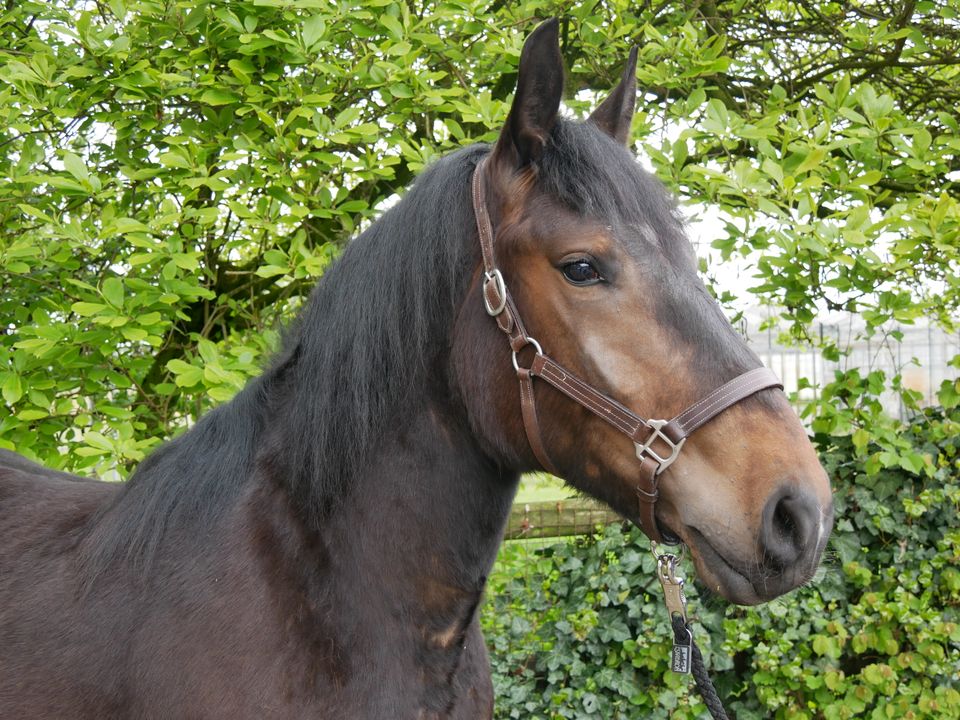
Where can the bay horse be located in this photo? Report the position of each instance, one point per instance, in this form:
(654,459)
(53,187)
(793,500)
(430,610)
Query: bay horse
(318,546)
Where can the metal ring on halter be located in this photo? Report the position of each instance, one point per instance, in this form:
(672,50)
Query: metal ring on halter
(653,549)
(496,278)
(529,341)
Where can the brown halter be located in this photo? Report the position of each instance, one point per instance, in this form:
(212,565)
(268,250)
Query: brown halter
(669,435)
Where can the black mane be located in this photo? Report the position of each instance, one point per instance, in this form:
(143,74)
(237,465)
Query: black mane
(375,325)
(371,328)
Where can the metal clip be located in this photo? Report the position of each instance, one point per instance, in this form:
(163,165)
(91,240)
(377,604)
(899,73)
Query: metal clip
(676,602)
(672,585)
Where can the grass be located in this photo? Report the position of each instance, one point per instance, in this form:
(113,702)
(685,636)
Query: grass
(542,487)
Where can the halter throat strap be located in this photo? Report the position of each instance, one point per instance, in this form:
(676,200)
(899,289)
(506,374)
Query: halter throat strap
(657,442)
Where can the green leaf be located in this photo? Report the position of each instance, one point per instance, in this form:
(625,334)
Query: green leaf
(129,225)
(400,48)
(87,309)
(871,177)
(242,68)
(911,462)
(174,159)
(75,166)
(34,212)
(98,441)
(314,28)
(813,160)
(31,414)
(112,291)
(219,96)
(820,645)
(393,25)
(271,270)
(860,438)
(134,334)
(11,389)
(185,375)
(208,351)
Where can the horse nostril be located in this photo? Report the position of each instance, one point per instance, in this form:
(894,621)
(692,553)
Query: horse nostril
(789,529)
(783,519)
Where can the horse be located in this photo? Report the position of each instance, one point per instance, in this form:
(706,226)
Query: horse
(318,546)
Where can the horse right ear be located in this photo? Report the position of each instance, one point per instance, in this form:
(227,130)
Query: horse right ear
(615,114)
(537,100)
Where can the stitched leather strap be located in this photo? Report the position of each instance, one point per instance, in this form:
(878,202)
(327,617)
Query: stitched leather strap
(576,389)
(731,393)
(648,492)
(637,428)
(528,404)
(658,442)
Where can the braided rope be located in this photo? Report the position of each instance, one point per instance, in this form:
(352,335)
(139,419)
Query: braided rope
(704,684)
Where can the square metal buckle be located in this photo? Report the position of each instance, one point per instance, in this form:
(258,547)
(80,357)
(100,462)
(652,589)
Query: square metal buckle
(646,448)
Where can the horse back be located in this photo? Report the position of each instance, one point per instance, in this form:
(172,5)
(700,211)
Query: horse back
(42,510)
(44,515)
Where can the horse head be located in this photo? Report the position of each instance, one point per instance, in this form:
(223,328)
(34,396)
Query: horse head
(590,270)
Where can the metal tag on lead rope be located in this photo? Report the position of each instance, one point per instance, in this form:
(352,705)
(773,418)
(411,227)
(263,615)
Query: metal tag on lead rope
(680,660)
(676,602)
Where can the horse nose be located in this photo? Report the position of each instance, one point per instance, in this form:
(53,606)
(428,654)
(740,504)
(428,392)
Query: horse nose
(790,529)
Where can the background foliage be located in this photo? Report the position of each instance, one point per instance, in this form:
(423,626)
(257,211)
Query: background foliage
(579,629)
(178,172)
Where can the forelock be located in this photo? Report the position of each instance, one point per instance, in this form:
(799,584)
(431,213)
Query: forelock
(594,176)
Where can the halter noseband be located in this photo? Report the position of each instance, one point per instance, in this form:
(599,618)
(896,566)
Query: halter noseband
(668,435)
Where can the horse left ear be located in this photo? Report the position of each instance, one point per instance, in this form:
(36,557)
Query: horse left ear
(537,100)
(615,114)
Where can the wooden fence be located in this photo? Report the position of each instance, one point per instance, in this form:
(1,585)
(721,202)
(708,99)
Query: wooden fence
(557,518)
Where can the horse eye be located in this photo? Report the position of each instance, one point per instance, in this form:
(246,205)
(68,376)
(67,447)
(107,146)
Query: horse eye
(581,272)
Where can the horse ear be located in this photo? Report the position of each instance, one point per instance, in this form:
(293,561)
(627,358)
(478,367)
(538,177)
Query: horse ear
(615,114)
(537,100)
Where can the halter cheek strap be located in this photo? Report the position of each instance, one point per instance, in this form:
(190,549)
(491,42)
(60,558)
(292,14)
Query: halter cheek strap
(657,442)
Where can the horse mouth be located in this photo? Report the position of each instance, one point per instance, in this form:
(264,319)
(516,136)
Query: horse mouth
(668,535)
(722,576)
(719,575)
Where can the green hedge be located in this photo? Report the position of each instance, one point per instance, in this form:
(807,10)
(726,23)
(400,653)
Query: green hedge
(578,629)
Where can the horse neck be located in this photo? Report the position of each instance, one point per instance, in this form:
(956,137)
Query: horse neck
(406,552)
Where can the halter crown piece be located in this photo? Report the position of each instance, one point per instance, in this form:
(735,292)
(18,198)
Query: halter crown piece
(657,442)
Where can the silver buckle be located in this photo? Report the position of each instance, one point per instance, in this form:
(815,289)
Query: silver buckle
(646,449)
(501,286)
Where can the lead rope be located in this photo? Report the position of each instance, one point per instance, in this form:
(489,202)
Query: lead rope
(686,657)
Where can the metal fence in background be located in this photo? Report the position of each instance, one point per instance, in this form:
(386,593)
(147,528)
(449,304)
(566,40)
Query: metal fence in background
(920,355)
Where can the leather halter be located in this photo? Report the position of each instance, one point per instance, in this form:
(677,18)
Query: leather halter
(657,442)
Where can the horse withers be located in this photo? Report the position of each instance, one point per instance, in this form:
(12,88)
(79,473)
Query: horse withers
(318,546)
